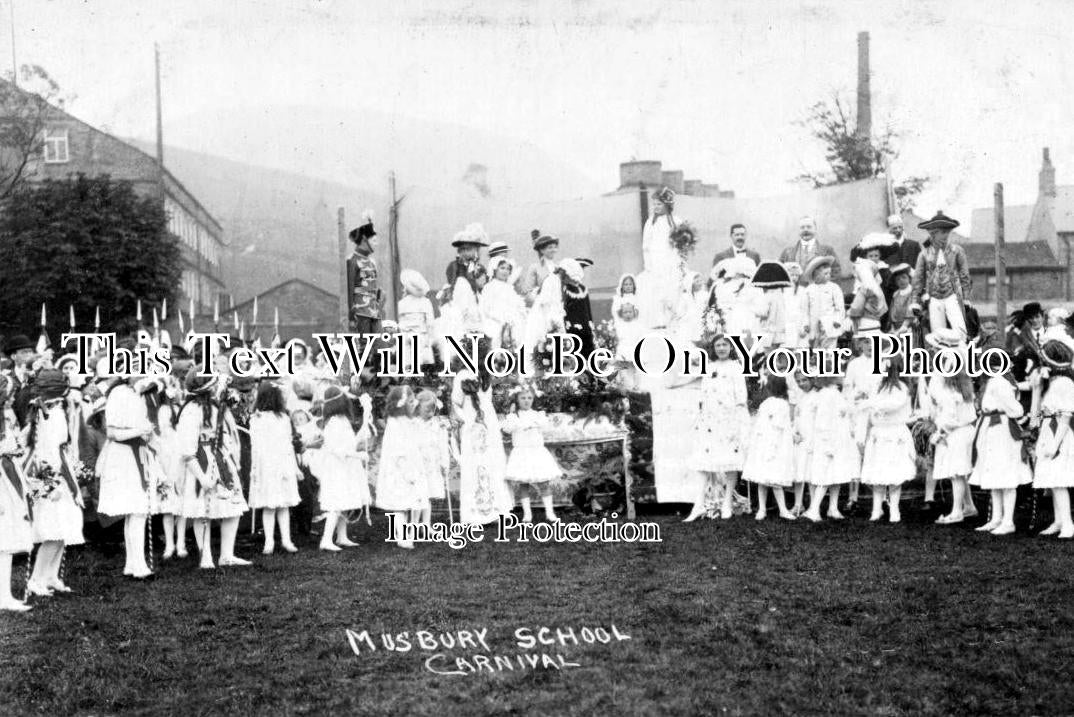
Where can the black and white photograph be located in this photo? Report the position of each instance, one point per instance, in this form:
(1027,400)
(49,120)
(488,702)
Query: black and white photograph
(467,357)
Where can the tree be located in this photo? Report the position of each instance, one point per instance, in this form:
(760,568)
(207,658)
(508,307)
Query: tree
(852,156)
(24,111)
(85,242)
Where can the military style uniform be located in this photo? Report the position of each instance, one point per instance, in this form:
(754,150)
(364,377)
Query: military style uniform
(363,288)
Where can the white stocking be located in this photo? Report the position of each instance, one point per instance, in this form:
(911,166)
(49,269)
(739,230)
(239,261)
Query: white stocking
(229,528)
(180,534)
(894,495)
(268,525)
(549,508)
(135,530)
(169,535)
(330,519)
(283,518)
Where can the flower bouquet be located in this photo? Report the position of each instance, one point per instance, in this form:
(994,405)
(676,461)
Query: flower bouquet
(684,239)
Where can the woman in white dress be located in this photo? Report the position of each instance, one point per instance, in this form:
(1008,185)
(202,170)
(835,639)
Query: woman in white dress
(483,492)
(545,317)
(55,500)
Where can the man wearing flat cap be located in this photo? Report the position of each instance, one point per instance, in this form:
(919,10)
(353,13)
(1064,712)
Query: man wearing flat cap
(942,273)
(363,281)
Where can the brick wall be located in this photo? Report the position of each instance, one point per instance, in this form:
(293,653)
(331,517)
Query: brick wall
(1025,285)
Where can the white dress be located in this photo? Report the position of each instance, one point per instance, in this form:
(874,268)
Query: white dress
(545,316)
(955,415)
(889,455)
(999,463)
(805,413)
(274,468)
(658,285)
(165,443)
(860,385)
(221,497)
(16,531)
(339,467)
(770,451)
(483,491)
(431,440)
(400,482)
(723,420)
(416,316)
(1055,463)
(530,461)
(502,307)
(834,457)
(56,512)
(126,477)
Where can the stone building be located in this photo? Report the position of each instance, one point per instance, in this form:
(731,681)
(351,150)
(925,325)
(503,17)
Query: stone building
(71,147)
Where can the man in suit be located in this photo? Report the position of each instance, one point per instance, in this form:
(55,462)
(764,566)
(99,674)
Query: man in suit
(906,253)
(738,247)
(22,354)
(808,248)
(363,280)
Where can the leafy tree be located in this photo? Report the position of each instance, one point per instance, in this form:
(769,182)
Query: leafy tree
(852,156)
(86,242)
(24,109)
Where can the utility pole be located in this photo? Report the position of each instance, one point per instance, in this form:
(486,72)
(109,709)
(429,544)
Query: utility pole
(344,300)
(160,117)
(14,64)
(393,244)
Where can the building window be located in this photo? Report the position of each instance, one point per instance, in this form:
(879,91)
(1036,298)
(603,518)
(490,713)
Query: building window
(56,146)
(990,292)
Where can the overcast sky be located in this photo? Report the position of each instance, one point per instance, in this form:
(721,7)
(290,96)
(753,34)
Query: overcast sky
(713,88)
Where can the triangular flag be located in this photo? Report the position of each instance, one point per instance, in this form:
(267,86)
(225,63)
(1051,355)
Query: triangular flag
(43,320)
(253,320)
(164,311)
(138,314)
(97,320)
(42,342)
(182,329)
(156,323)
(71,311)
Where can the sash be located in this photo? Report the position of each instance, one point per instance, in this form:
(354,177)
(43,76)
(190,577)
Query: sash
(1053,424)
(69,478)
(203,457)
(994,418)
(136,445)
(12,474)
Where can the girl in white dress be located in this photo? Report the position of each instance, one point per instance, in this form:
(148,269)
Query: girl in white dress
(165,443)
(834,458)
(804,408)
(504,310)
(16,533)
(274,471)
(1055,445)
(953,412)
(416,315)
(720,432)
(431,436)
(402,489)
(211,489)
(55,501)
(860,384)
(889,456)
(770,451)
(687,321)
(998,466)
(483,492)
(340,465)
(531,465)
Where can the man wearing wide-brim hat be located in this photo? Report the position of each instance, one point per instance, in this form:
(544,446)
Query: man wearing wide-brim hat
(529,284)
(22,353)
(364,295)
(942,273)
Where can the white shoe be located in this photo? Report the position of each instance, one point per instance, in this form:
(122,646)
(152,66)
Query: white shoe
(788,516)
(406,544)
(1067,533)
(346,543)
(331,547)
(35,588)
(1003,530)
(57,585)
(760,516)
(181,552)
(268,550)
(988,527)
(290,548)
(1052,529)
(14,605)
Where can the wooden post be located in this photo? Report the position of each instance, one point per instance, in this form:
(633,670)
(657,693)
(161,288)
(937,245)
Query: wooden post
(344,300)
(1001,265)
(643,195)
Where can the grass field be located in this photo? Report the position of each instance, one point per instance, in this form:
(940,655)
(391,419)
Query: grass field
(730,617)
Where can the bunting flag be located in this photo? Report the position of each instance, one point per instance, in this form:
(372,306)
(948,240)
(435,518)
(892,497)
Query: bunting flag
(71,317)
(276,342)
(97,320)
(42,341)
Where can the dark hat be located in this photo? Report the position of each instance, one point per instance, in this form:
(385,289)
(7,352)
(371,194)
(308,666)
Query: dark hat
(584,262)
(540,241)
(50,383)
(17,343)
(498,248)
(243,383)
(1032,309)
(193,383)
(940,221)
(365,231)
(771,274)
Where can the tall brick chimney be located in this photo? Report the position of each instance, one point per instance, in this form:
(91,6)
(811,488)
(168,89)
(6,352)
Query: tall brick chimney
(865,101)
(1047,176)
